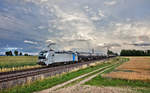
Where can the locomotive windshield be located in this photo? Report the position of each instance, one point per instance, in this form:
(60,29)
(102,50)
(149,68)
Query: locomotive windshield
(42,55)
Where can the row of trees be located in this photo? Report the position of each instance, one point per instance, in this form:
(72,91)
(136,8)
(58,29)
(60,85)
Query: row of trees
(111,53)
(135,53)
(16,53)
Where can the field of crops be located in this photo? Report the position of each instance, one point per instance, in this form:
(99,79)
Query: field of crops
(8,63)
(138,68)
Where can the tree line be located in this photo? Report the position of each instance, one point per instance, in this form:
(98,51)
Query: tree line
(135,53)
(109,52)
(15,53)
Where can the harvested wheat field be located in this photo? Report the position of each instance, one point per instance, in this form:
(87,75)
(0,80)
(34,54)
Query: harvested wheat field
(138,68)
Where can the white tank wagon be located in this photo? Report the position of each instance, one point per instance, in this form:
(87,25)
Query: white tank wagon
(52,57)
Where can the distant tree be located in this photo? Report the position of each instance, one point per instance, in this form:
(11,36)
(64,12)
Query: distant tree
(16,53)
(8,53)
(20,53)
(148,52)
(116,54)
(109,52)
(26,55)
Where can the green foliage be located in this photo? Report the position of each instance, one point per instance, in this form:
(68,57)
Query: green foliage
(111,53)
(16,53)
(135,53)
(8,53)
(26,55)
(20,54)
(100,81)
(143,90)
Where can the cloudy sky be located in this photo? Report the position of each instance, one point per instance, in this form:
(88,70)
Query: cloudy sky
(29,25)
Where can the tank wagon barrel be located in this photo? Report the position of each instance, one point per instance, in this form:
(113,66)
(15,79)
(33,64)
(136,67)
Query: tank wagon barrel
(90,56)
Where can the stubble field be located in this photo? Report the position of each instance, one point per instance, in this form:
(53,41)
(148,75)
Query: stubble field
(138,68)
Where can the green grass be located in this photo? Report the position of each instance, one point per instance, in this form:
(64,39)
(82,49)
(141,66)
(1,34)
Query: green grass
(49,82)
(136,85)
(142,90)
(120,60)
(77,81)
(140,86)
(134,56)
(100,81)
(17,61)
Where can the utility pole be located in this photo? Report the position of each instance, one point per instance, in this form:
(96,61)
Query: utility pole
(93,51)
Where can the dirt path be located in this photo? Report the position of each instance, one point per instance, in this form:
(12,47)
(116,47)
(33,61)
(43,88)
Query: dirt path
(51,90)
(92,89)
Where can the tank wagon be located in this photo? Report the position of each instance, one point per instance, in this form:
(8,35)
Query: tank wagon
(86,56)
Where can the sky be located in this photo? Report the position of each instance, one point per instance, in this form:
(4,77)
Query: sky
(78,25)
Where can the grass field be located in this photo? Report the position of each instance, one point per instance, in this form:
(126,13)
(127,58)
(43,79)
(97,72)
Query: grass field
(15,61)
(8,63)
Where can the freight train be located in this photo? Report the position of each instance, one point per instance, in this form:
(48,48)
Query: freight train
(53,57)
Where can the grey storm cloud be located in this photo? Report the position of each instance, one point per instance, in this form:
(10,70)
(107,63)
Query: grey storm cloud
(75,24)
(143,44)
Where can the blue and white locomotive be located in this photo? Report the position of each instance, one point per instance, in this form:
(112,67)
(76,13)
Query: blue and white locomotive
(52,57)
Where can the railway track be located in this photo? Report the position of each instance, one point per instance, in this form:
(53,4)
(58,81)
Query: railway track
(8,76)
